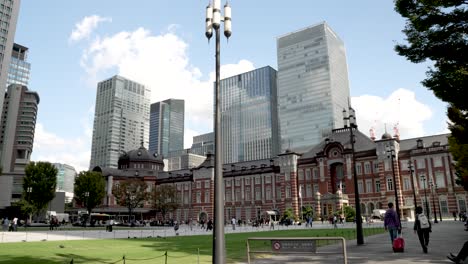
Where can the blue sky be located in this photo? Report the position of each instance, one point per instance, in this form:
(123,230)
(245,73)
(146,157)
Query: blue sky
(162,44)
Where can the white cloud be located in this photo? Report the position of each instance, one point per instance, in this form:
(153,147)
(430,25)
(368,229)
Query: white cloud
(401,108)
(161,62)
(52,148)
(85,27)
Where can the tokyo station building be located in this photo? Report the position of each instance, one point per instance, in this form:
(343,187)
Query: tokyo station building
(320,177)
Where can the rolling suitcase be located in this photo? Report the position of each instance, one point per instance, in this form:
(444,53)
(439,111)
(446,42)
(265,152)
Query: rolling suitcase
(399,244)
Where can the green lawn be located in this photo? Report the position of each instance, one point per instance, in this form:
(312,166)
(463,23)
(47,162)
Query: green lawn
(179,249)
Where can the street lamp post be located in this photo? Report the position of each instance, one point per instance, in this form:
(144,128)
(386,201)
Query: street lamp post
(438,202)
(213,21)
(86,194)
(433,203)
(411,169)
(353,125)
(29,191)
(423,178)
(392,154)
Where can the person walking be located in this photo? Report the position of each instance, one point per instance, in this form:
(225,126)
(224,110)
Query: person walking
(391,222)
(422,226)
(5,224)
(15,224)
(233,223)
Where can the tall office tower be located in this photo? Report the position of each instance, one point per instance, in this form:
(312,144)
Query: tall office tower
(249,122)
(19,67)
(203,144)
(16,139)
(66,175)
(167,126)
(121,120)
(312,85)
(9,10)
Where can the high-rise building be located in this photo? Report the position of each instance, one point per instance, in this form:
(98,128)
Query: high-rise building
(9,10)
(121,120)
(167,126)
(16,139)
(66,175)
(313,85)
(203,144)
(19,68)
(249,121)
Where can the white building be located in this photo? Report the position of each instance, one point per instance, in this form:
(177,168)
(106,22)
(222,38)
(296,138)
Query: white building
(121,120)
(312,85)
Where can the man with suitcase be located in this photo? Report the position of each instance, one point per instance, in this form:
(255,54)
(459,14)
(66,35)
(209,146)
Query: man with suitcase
(392,224)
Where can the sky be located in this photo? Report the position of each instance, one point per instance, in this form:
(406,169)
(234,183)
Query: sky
(162,44)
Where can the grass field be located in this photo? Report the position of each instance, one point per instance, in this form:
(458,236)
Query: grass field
(151,250)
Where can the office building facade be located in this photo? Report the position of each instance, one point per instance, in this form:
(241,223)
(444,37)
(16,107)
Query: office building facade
(249,122)
(16,139)
(20,69)
(203,144)
(121,120)
(313,85)
(9,11)
(167,126)
(66,175)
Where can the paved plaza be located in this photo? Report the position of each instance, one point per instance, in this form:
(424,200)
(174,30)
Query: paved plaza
(447,236)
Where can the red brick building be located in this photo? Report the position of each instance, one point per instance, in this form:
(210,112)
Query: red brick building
(322,175)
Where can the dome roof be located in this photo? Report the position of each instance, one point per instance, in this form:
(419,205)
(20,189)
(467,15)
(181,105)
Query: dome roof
(386,136)
(140,154)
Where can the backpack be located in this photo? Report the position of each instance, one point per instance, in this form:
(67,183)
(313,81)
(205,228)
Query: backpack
(423,221)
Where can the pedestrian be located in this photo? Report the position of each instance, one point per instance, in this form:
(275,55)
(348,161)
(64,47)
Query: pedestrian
(454,216)
(5,224)
(461,255)
(335,220)
(233,223)
(422,227)
(322,219)
(391,222)
(15,224)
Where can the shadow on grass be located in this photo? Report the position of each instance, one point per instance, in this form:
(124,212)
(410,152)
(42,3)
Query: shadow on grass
(235,243)
(65,258)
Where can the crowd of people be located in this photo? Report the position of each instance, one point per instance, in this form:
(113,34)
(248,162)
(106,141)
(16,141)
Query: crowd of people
(9,225)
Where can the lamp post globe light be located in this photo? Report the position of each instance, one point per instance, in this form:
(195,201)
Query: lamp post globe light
(213,21)
(423,178)
(411,169)
(433,203)
(353,125)
(392,154)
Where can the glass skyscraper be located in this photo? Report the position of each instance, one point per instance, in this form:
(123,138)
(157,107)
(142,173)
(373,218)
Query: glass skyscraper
(19,70)
(249,123)
(121,120)
(313,85)
(167,126)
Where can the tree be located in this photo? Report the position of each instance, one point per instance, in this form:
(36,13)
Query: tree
(348,212)
(307,211)
(131,193)
(39,186)
(164,199)
(437,30)
(90,189)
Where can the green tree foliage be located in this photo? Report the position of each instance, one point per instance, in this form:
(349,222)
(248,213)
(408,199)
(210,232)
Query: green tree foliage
(41,180)
(436,30)
(348,212)
(307,211)
(164,199)
(131,193)
(90,189)
(288,214)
